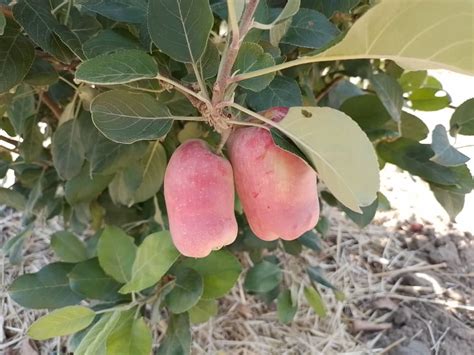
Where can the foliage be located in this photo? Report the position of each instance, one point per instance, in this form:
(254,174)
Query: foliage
(95,96)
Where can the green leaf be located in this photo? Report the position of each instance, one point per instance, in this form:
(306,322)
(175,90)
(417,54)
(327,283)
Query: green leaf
(452,202)
(178,336)
(88,279)
(330,7)
(68,247)
(94,342)
(426,34)
(127,117)
(32,145)
(180,28)
(310,29)
(208,64)
(64,321)
(47,288)
(83,188)
(415,158)
(285,143)
(203,311)
(292,247)
(315,301)
(263,277)
(316,274)
(124,184)
(152,172)
(42,27)
(67,150)
(135,338)
(462,120)
(286,307)
(413,80)
(367,110)
(390,93)
(107,157)
(117,252)
(411,127)
(41,73)
(445,153)
(142,180)
(282,91)
(311,240)
(429,99)
(422,35)
(154,258)
(187,291)
(290,9)
(117,68)
(22,108)
(12,199)
(118,10)
(362,219)
(13,247)
(339,149)
(16,56)
(109,41)
(277,32)
(84,25)
(220,271)
(252,57)
(5,100)
(3,23)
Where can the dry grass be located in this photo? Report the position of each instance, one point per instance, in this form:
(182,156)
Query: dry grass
(370,266)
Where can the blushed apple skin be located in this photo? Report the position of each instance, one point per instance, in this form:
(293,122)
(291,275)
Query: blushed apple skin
(277,189)
(199,196)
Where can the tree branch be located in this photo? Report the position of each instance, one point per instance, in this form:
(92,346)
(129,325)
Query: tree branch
(53,106)
(6,11)
(328,88)
(230,55)
(9,140)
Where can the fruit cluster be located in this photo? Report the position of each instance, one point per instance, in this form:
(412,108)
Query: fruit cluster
(277,189)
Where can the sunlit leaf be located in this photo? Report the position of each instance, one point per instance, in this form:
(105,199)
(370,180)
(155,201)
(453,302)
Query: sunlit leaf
(340,151)
(423,34)
(154,258)
(315,301)
(116,251)
(60,322)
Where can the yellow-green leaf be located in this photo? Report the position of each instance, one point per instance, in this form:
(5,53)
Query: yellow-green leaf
(132,337)
(340,151)
(315,301)
(64,321)
(417,34)
(154,258)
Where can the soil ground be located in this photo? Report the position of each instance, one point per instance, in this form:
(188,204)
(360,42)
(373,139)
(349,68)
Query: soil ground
(408,283)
